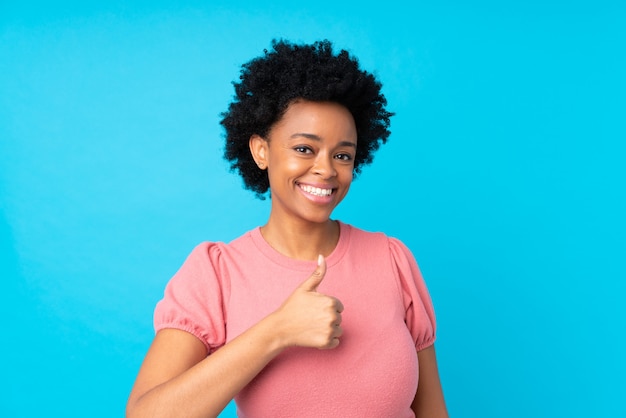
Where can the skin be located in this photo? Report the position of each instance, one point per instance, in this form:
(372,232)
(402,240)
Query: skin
(313,145)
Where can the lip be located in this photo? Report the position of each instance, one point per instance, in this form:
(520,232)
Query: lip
(318,199)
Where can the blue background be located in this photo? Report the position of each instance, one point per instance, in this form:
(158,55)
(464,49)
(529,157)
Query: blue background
(504,174)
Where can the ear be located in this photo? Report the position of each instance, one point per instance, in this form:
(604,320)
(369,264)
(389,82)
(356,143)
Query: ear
(258,148)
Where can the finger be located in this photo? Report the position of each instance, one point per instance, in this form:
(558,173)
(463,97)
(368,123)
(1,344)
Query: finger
(334,338)
(314,280)
(338,331)
(332,344)
(339,306)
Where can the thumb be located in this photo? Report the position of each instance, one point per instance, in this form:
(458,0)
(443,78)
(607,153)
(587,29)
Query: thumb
(314,280)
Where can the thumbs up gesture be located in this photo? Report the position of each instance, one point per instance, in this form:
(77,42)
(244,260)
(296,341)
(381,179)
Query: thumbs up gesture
(310,318)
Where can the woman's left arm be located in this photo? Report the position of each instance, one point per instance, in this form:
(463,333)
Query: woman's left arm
(429,401)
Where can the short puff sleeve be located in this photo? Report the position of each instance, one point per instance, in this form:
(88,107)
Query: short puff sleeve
(419,311)
(194,298)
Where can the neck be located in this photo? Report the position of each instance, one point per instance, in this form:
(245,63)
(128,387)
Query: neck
(301,241)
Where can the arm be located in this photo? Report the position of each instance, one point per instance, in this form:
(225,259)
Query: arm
(178,379)
(429,401)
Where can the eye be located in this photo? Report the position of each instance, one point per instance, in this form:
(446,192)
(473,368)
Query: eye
(343,157)
(303,149)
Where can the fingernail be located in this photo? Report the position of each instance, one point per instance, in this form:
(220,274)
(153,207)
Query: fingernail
(319,259)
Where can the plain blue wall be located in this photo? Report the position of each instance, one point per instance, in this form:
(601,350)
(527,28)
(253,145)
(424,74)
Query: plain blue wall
(504,174)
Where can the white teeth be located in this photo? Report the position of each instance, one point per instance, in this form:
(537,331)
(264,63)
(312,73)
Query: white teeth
(316,190)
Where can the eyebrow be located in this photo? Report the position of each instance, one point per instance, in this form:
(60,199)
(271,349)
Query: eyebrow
(317,138)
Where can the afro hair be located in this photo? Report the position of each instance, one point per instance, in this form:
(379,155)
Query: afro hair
(288,72)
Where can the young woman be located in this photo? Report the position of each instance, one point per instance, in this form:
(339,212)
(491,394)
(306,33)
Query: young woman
(304,316)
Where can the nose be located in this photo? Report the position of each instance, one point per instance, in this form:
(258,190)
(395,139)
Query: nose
(324,166)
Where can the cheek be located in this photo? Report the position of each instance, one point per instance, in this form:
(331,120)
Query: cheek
(292,165)
(346,181)
(286,171)
(293,168)
(348,174)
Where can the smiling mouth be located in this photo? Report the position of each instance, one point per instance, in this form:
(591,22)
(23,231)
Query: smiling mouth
(316,191)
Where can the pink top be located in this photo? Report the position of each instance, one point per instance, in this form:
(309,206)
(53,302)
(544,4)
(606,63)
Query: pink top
(223,289)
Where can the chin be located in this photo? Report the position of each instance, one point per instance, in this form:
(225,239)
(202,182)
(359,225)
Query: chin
(318,218)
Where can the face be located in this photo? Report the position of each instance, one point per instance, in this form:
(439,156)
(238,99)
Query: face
(309,155)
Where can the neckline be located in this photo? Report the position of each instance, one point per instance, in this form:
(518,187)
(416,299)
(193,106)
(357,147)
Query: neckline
(302,265)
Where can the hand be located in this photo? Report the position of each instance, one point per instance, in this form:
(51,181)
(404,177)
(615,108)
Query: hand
(309,318)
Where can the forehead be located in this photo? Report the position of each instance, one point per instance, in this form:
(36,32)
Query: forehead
(318,118)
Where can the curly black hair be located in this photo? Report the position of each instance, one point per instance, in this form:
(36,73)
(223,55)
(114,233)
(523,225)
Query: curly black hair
(288,72)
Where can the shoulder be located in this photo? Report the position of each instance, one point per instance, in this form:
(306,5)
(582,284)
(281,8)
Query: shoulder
(207,262)
(202,258)
(362,239)
(213,252)
(361,236)
(195,297)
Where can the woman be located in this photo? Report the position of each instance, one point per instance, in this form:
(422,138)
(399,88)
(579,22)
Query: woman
(304,316)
